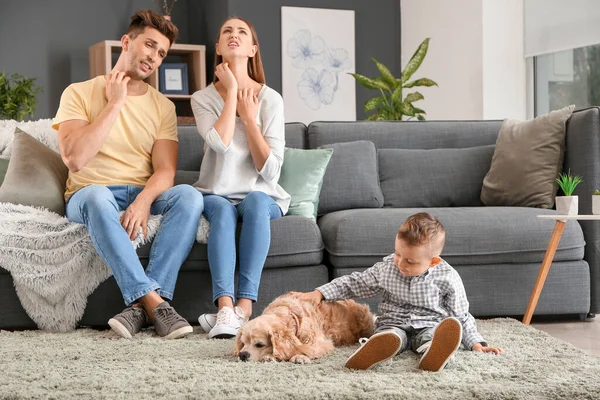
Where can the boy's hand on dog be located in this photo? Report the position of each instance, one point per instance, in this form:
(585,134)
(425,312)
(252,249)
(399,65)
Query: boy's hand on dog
(487,349)
(314,297)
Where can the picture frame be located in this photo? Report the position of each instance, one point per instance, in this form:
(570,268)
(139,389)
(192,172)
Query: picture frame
(173,78)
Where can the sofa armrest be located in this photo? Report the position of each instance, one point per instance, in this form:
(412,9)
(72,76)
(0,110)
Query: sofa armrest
(582,157)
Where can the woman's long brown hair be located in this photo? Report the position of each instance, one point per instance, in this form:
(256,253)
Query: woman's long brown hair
(255,67)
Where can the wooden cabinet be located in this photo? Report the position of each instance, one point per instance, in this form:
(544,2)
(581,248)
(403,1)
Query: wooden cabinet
(103,56)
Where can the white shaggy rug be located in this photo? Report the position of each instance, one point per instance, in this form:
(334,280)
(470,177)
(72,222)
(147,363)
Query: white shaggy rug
(96,364)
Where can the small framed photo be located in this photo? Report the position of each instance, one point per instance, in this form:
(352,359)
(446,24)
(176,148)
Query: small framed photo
(173,78)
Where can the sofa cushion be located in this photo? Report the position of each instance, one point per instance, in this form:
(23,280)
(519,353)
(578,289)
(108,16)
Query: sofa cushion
(351,180)
(295,241)
(474,235)
(302,177)
(528,158)
(433,178)
(36,175)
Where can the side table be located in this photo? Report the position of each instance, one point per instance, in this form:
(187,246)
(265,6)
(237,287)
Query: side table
(559,227)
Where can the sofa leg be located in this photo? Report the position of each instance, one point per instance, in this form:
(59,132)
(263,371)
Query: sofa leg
(591,315)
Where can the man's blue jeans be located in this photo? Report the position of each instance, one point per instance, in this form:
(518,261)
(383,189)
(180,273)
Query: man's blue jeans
(99,207)
(256,211)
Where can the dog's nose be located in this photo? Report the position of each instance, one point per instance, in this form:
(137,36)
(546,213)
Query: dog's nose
(244,356)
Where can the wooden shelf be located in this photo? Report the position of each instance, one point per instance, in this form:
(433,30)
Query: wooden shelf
(101,62)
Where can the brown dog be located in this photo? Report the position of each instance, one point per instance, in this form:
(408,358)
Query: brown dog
(293,330)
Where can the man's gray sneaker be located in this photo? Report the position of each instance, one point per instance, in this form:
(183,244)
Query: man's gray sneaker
(129,322)
(168,323)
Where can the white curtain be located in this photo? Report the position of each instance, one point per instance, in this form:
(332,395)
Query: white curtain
(557,25)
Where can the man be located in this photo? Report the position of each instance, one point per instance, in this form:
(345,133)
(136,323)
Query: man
(118,137)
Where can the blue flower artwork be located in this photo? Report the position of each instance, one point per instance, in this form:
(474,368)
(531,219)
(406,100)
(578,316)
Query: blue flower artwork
(322,66)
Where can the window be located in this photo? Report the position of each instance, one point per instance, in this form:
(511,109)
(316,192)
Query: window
(567,77)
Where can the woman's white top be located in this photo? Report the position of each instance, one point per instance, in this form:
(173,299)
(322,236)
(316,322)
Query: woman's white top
(228,170)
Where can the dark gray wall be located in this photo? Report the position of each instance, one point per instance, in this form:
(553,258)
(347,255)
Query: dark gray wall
(49,40)
(377,31)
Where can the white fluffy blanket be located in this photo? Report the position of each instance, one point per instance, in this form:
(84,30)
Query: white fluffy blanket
(53,262)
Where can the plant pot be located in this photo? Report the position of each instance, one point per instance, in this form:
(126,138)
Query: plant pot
(596,204)
(567,205)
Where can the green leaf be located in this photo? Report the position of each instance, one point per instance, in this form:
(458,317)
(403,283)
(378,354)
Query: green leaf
(386,75)
(420,82)
(419,111)
(406,109)
(383,84)
(416,96)
(368,82)
(372,117)
(415,60)
(397,96)
(373,103)
(420,117)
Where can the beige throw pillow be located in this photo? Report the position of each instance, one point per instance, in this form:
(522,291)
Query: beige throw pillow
(528,158)
(36,175)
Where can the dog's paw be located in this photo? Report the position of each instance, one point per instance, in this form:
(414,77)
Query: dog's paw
(268,358)
(300,359)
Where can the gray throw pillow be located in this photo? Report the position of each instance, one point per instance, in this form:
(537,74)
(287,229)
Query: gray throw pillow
(351,179)
(435,177)
(528,158)
(36,175)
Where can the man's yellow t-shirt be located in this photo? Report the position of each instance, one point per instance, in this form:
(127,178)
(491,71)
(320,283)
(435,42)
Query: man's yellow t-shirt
(125,158)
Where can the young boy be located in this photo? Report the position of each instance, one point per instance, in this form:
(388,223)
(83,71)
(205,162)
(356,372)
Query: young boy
(424,305)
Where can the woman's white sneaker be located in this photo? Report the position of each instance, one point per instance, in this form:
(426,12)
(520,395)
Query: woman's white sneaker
(228,323)
(207,321)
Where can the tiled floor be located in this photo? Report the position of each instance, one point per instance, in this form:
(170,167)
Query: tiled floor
(582,334)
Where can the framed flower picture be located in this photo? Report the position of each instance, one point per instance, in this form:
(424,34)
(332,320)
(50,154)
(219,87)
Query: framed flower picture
(317,51)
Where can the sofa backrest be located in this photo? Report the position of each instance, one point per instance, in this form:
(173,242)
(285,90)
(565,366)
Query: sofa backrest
(191,144)
(420,163)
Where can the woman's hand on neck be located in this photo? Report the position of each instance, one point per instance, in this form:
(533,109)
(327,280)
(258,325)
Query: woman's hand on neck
(239,68)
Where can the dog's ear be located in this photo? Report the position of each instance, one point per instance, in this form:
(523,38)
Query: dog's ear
(285,344)
(237,345)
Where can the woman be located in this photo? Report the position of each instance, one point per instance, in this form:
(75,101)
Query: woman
(241,121)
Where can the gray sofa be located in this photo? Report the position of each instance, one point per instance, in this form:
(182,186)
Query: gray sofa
(496,250)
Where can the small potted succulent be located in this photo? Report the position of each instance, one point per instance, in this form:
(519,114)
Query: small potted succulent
(596,202)
(568,204)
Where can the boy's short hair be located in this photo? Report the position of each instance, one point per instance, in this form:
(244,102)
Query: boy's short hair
(148,18)
(421,229)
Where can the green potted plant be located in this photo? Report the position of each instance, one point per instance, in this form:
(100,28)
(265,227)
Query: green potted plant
(596,202)
(391,103)
(17,96)
(568,204)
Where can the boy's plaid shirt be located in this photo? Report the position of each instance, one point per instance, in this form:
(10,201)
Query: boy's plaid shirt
(419,301)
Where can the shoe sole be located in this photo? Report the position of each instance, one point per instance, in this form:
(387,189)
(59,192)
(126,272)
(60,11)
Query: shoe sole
(119,328)
(220,332)
(204,324)
(380,347)
(445,342)
(179,333)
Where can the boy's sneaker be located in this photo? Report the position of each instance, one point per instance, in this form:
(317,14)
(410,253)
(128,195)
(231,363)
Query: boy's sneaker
(229,322)
(378,348)
(207,321)
(129,322)
(445,342)
(168,324)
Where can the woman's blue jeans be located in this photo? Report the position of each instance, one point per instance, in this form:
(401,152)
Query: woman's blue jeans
(99,207)
(256,212)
